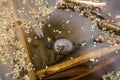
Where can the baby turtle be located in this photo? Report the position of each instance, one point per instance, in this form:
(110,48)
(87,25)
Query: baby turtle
(63,46)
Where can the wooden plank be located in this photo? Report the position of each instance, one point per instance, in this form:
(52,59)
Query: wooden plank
(70,72)
(97,67)
(77,61)
(21,38)
(83,70)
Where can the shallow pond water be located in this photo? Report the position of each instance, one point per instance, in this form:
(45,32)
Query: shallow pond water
(69,25)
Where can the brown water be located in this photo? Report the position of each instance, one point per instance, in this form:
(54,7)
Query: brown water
(78,30)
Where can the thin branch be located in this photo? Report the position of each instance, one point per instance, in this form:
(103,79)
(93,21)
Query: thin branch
(100,4)
(109,26)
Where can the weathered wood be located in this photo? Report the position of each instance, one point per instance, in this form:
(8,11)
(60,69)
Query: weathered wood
(70,72)
(77,61)
(82,70)
(97,67)
(21,38)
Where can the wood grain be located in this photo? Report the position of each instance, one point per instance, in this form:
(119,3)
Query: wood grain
(77,61)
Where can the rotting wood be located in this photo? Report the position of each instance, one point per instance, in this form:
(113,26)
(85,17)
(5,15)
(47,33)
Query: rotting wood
(77,61)
(21,38)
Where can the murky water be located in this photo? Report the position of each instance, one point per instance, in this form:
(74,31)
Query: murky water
(69,25)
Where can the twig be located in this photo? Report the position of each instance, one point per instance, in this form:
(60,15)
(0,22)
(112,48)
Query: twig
(21,38)
(77,61)
(89,11)
(105,25)
(99,5)
(90,3)
(84,2)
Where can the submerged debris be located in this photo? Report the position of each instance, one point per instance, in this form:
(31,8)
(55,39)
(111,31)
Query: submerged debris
(99,39)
